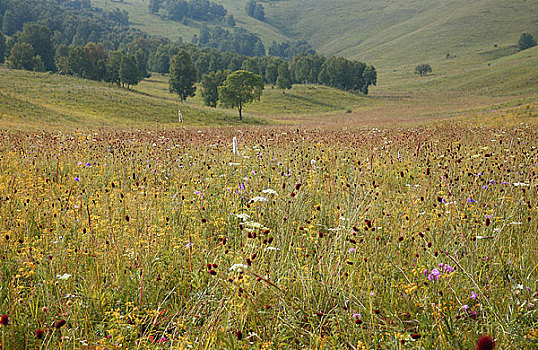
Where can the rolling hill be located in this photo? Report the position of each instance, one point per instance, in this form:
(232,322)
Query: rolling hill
(32,100)
(390,34)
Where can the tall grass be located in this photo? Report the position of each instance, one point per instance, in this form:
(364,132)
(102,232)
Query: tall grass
(356,238)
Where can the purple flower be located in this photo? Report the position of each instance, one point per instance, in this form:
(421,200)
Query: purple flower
(426,273)
(464,307)
(470,200)
(473,295)
(434,275)
(357,316)
(352,250)
(448,268)
(77,179)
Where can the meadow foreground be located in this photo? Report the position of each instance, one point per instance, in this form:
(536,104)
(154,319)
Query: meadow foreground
(359,239)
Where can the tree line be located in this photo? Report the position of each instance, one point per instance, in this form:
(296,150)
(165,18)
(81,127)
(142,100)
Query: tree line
(35,50)
(73,22)
(37,44)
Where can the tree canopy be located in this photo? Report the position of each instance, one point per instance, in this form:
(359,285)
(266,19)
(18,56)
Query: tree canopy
(182,75)
(284,77)
(2,47)
(526,41)
(239,88)
(423,69)
(210,83)
(255,10)
(23,57)
(128,72)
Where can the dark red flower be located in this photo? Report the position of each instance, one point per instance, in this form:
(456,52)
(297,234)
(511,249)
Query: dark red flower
(415,336)
(39,334)
(4,320)
(60,324)
(485,342)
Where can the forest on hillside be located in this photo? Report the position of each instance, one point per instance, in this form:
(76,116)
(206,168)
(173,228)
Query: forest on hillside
(73,37)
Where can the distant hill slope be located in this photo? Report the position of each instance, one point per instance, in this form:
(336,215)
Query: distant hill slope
(392,32)
(386,33)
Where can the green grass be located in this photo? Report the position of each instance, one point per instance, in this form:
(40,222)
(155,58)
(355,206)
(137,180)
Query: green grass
(514,74)
(31,99)
(61,100)
(34,98)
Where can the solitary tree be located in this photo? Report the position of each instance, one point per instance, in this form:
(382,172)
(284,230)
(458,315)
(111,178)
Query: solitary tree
(210,84)
(239,88)
(129,71)
(526,41)
(182,75)
(423,69)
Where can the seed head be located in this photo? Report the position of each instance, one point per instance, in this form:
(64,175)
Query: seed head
(485,342)
(39,334)
(60,324)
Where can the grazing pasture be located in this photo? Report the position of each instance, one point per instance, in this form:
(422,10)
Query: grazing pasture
(357,238)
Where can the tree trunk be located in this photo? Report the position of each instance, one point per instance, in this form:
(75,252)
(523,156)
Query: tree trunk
(240,108)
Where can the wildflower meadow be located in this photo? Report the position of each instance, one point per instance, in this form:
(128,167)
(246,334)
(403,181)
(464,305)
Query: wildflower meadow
(409,238)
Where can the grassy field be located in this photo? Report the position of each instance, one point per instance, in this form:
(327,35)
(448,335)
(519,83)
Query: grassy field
(313,238)
(34,99)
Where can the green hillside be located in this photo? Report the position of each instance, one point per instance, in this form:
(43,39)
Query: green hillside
(392,33)
(395,34)
(140,18)
(32,100)
(38,98)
